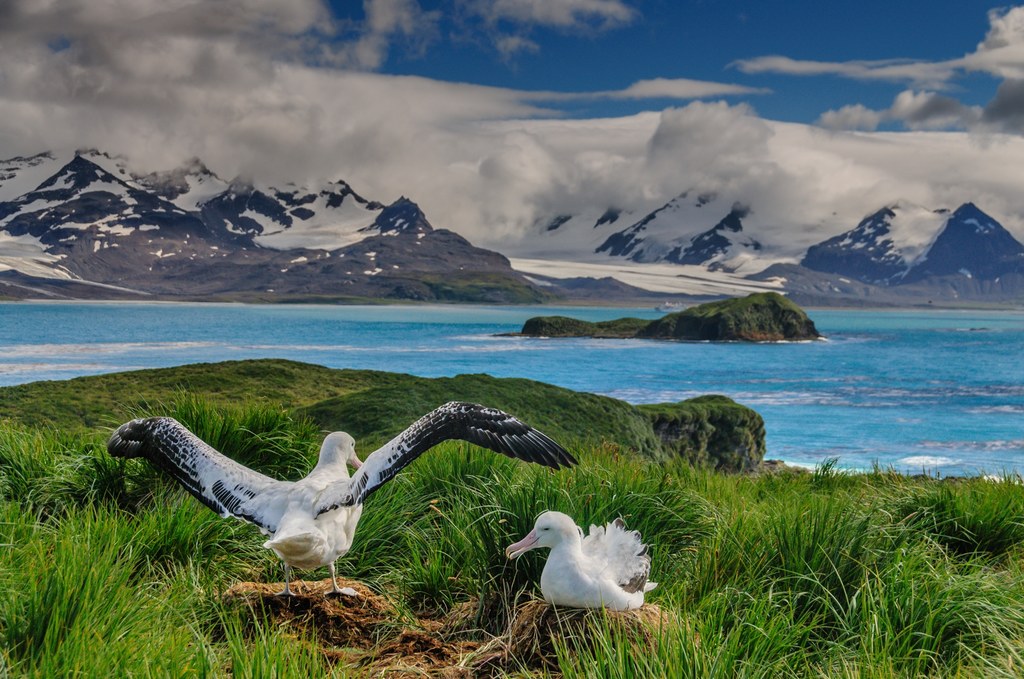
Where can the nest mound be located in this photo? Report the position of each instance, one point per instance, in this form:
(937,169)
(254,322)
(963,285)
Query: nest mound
(537,626)
(334,619)
(424,651)
(369,635)
(364,633)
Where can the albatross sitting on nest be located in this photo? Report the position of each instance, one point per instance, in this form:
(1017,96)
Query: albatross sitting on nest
(311,522)
(608,567)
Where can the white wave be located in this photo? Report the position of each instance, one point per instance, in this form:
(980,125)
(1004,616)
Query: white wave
(1007,409)
(55,350)
(21,368)
(990,445)
(927,461)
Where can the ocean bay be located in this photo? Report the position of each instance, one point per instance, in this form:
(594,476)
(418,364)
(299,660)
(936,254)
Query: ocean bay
(932,390)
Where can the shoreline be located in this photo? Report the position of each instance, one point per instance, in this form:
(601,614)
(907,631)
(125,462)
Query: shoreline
(574,304)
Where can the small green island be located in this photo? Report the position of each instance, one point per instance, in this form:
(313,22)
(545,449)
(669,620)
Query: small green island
(759,317)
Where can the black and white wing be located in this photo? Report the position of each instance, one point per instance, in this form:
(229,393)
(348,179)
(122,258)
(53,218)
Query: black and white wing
(486,427)
(220,483)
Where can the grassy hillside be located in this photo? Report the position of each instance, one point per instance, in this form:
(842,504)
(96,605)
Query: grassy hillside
(373,406)
(109,569)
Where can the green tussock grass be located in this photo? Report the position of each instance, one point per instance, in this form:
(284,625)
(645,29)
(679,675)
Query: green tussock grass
(107,568)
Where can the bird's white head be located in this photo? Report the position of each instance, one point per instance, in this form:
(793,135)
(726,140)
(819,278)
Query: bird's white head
(337,448)
(550,529)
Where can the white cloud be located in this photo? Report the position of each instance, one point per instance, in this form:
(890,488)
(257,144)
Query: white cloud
(921,73)
(917,110)
(564,14)
(852,117)
(1000,54)
(678,88)
(1005,113)
(927,110)
(511,45)
(386,21)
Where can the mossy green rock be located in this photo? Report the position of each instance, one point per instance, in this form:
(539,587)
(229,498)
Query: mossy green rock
(760,317)
(710,431)
(374,406)
(564,326)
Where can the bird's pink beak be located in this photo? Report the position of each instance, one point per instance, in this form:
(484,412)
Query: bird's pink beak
(517,549)
(355,462)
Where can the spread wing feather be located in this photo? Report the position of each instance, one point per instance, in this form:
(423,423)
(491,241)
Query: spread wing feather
(486,427)
(223,485)
(623,551)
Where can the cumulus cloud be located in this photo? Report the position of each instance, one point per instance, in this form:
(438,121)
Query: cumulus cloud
(1001,53)
(928,110)
(1006,110)
(916,110)
(852,117)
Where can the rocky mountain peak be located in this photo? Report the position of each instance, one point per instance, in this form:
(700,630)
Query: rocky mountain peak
(402,216)
(973,245)
(717,244)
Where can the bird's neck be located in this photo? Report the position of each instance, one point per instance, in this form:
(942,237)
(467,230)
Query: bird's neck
(329,466)
(570,550)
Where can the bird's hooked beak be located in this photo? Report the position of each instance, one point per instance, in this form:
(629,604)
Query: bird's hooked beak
(355,462)
(517,549)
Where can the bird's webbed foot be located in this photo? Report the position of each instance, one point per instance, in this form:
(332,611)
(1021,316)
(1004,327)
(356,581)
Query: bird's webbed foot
(346,591)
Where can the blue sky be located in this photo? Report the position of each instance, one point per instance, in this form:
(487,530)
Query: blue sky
(701,40)
(495,115)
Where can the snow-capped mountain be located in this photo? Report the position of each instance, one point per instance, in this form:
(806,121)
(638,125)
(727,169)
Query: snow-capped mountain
(187,232)
(723,247)
(188,186)
(82,198)
(21,174)
(678,233)
(973,245)
(904,244)
(882,247)
(90,219)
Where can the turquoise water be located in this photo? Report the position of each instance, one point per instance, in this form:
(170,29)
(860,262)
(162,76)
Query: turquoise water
(941,391)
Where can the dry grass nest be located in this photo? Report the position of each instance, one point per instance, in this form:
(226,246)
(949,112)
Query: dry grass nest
(334,619)
(529,642)
(368,634)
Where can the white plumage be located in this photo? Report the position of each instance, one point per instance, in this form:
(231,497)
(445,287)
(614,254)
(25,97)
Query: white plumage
(312,522)
(608,567)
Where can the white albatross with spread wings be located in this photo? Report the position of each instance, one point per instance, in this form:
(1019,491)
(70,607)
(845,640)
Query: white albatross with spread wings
(311,522)
(608,567)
